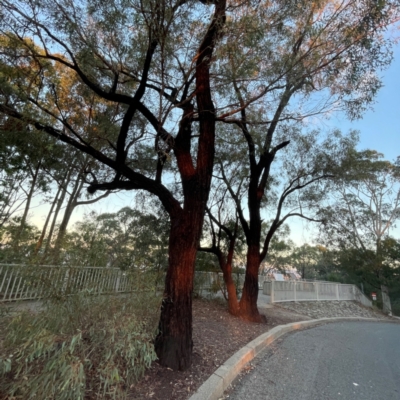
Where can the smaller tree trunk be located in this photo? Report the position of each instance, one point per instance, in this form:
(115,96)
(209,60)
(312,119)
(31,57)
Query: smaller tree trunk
(233,303)
(226,267)
(35,175)
(43,234)
(72,203)
(64,186)
(225,263)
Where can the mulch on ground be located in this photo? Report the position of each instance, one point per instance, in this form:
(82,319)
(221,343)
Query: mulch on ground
(217,335)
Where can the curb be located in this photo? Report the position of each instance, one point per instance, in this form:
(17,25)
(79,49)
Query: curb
(214,387)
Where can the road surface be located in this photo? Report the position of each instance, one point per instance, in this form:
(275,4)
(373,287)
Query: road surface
(346,360)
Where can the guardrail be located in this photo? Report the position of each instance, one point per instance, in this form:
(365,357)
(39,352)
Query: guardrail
(313,291)
(31,282)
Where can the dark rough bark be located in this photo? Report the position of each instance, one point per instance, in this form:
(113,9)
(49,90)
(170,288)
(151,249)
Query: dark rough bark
(248,301)
(225,263)
(226,266)
(174,342)
(233,304)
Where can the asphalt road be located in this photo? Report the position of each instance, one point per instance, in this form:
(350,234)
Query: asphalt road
(346,360)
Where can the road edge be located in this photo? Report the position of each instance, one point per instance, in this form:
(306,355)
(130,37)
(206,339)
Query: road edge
(214,387)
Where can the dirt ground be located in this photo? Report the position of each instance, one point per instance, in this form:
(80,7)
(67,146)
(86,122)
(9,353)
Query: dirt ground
(216,335)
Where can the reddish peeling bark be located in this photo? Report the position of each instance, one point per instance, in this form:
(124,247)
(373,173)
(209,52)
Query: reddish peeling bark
(259,173)
(225,263)
(174,344)
(233,303)
(248,301)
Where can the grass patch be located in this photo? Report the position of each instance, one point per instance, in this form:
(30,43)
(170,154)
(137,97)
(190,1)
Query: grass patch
(82,347)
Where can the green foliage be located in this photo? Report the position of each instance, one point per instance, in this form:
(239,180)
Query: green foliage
(84,347)
(207,262)
(359,222)
(126,239)
(27,238)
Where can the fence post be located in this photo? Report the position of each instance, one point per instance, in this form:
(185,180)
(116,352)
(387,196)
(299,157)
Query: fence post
(316,289)
(272,291)
(337,292)
(66,279)
(117,281)
(294,289)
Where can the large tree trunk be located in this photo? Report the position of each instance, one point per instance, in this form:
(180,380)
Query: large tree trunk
(174,342)
(248,301)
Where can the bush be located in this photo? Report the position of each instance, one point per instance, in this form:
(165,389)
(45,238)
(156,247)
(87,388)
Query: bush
(396,307)
(83,347)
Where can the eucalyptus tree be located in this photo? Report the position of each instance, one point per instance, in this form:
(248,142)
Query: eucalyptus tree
(73,186)
(298,185)
(150,63)
(126,239)
(223,237)
(363,213)
(24,163)
(305,259)
(278,250)
(169,72)
(284,64)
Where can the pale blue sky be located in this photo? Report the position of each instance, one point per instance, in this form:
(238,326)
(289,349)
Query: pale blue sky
(380,127)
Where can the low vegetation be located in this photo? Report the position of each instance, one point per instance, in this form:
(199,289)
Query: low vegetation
(82,347)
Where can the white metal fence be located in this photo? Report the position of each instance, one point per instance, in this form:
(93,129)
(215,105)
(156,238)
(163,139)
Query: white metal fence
(26,282)
(30,282)
(281,291)
(214,280)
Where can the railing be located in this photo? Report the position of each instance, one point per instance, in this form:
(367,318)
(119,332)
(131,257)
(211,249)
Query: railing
(214,280)
(26,282)
(31,282)
(313,291)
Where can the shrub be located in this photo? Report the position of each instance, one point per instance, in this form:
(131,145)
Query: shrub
(396,307)
(83,347)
